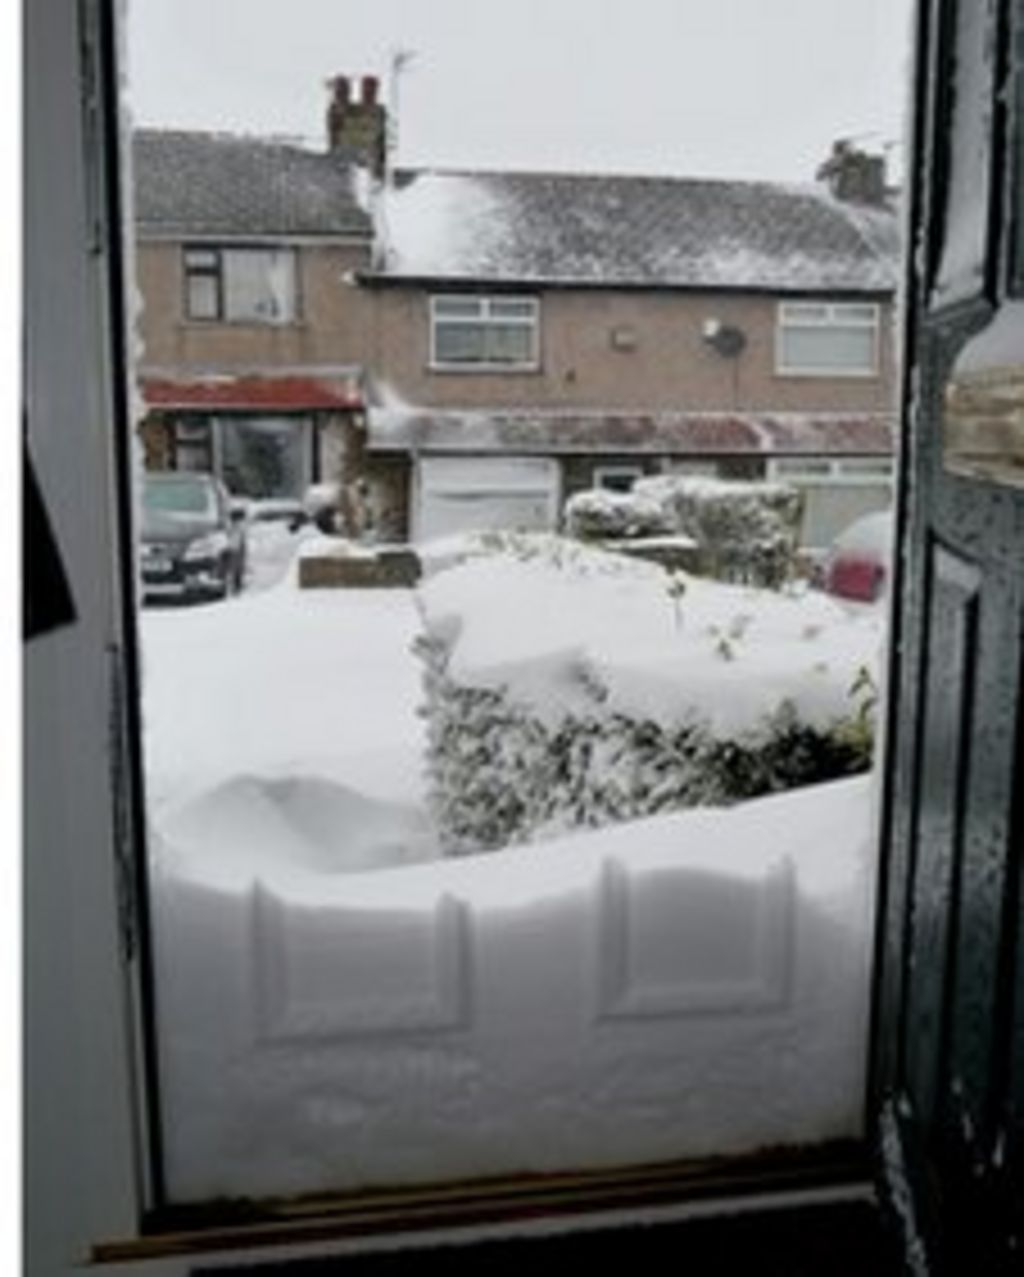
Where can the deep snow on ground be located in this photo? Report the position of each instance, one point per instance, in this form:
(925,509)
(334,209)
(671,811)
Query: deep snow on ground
(684,986)
(282,724)
(335,1016)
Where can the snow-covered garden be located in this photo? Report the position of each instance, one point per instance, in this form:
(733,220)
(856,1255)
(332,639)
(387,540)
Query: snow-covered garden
(608,978)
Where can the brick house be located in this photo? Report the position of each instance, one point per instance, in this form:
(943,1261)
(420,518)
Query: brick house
(468,349)
(535,334)
(246,253)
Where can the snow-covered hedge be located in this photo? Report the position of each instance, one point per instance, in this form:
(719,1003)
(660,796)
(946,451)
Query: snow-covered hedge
(746,532)
(587,689)
(597,514)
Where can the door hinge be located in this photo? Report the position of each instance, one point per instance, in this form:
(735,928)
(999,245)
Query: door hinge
(119,755)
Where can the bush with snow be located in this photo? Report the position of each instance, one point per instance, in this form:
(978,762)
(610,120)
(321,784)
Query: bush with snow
(441,553)
(746,532)
(588,689)
(599,514)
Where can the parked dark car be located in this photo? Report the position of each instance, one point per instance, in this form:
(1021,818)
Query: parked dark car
(191,548)
(858,563)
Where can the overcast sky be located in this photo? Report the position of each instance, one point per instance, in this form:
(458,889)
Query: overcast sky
(730,88)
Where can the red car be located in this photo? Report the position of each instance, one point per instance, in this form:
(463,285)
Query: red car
(857,566)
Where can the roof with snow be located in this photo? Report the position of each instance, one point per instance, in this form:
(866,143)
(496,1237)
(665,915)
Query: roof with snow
(401,428)
(190,183)
(573,229)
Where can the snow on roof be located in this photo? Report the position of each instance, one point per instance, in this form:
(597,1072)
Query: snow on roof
(644,231)
(194,183)
(396,426)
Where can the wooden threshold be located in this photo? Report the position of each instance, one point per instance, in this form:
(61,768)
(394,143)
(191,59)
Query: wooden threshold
(224,1225)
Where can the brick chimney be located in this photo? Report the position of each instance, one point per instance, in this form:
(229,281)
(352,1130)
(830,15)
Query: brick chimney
(357,129)
(853,175)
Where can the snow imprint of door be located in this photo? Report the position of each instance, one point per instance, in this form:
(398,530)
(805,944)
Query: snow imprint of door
(322,975)
(674,945)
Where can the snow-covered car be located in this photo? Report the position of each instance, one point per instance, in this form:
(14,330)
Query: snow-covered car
(858,562)
(191,547)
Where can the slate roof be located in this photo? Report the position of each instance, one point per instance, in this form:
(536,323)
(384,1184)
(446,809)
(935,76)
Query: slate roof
(644,231)
(190,183)
(667,433)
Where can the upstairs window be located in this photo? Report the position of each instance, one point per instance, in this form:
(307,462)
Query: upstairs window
(484,332)
(240,285)
(827,339)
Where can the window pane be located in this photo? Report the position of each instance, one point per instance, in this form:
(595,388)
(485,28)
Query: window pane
(265,456)
(852,312)
(966,214)
(458,343)
(193,445)
(513,309)
(510,343)
(259,285)
(202,293)
(804,310)
(827,349)
(201,259)
(458,307)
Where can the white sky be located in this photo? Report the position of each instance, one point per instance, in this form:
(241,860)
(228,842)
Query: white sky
(732,88)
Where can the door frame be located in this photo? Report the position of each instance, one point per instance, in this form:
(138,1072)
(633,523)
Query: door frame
(933,335)
(92,1131)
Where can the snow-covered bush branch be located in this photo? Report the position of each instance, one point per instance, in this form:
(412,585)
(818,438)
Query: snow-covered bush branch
(584,689)
(746,532)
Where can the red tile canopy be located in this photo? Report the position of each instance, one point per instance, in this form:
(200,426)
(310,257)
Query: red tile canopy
(252,392)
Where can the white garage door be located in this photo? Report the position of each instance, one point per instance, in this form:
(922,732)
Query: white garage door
(463,494)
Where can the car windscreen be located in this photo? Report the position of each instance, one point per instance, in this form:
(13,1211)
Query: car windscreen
(189,498)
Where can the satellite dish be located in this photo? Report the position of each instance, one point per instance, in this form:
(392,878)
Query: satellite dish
(726,340)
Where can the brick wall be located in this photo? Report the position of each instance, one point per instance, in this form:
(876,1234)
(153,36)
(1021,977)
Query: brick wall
(668,366)
(332,327)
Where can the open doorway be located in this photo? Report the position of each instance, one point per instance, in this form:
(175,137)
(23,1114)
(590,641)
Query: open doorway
(571,961)
(464,859)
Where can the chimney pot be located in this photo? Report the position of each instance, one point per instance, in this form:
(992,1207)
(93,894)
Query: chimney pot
(357,131)
(853,175)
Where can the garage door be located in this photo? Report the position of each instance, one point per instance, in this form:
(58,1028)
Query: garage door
(463,494)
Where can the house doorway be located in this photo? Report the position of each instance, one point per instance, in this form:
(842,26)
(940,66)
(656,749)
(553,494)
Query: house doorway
(423,987)
(403,888)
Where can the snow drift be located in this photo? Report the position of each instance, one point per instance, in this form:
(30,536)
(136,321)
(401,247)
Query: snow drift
(694,984)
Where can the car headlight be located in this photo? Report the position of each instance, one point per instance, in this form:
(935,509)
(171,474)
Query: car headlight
(207,547)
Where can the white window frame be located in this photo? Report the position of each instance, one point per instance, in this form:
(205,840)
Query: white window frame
(486,317)
(212,262)
(818,316)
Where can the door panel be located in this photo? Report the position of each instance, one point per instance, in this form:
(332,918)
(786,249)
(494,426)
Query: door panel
(947,1048)
(949,696)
